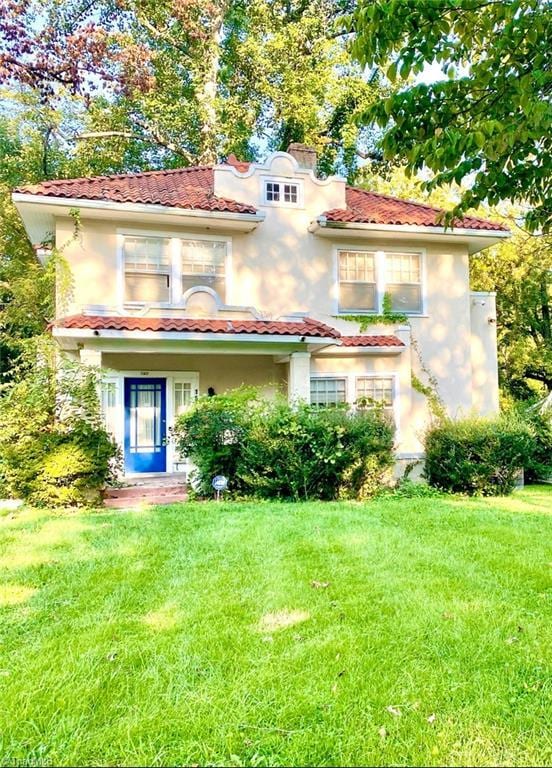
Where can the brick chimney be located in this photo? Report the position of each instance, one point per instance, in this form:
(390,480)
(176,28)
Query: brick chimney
(305,156)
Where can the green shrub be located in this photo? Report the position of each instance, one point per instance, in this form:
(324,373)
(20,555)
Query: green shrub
(539,465)
(273,450)
(410,489)
(477,456)
(213,432)
(53,448)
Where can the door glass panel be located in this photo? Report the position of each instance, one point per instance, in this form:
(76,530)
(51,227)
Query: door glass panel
(145,418)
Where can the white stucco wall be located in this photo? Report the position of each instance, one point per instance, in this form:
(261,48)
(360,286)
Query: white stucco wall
(483,353)
(281,268)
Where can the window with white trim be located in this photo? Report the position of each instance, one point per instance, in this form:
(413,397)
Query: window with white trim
(147,265)
(203,263)
(110,411)
(357,281)
(403,281)
(372,391)
(182,393)
(286,192)
(365,277)
(328,391)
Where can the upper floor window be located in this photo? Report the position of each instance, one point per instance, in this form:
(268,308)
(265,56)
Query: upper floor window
(365,277)
(357,281)
(281,192)
(147,265)
(204,263)
(161,270)
(403,281)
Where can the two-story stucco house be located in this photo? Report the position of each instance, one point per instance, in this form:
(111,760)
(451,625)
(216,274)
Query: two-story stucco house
(200,279)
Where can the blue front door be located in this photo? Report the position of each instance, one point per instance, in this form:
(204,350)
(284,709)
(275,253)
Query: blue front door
(145,425)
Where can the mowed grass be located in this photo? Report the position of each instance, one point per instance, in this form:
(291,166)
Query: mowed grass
(404,632)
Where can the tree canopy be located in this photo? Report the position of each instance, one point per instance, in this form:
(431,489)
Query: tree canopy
(488,120)
(189,81)
(126,85)
(520,271)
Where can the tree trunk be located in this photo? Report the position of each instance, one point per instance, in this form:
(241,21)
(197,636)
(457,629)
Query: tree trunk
(207,90)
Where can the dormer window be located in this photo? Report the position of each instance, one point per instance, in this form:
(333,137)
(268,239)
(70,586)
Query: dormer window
(281,192)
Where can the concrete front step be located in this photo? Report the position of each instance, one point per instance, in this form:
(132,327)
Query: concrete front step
(137,491)
(128,496)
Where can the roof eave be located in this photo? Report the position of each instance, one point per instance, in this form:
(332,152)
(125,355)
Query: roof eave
(39,211)
(97,335)
(477,239)
(344,350)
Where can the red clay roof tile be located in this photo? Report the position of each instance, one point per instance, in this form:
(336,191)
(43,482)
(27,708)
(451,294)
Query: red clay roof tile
(193,188)
(367,207)
(302,327)
(189,188)
(371,341)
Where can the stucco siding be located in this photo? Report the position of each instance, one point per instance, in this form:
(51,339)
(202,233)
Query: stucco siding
(222,372)
(281,268)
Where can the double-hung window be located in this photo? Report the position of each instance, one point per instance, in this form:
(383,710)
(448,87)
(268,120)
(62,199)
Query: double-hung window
(366,277)
(357,281)
(147,264)
(403,281)
(328,391)
(161,269)
(203,262)
(361,392)
(182,396)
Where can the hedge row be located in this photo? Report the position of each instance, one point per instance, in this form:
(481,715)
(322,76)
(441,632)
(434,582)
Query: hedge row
(273,450)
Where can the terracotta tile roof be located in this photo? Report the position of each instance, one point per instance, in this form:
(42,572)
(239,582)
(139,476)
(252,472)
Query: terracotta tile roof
(367,207)
(190,188)
(371,341)
(193,188)
(302,327)
(240,165)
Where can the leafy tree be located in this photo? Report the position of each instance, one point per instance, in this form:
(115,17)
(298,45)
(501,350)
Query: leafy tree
(490,119)
(47,45)
(173,82)
(239,77)
(520,271)
(30,150)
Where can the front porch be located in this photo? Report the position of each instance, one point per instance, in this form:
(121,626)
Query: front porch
(142,396)
(154,368)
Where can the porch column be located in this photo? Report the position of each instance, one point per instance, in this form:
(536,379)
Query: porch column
(91,357)
(299,377)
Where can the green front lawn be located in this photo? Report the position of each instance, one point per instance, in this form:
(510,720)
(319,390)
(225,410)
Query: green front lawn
(396,632)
